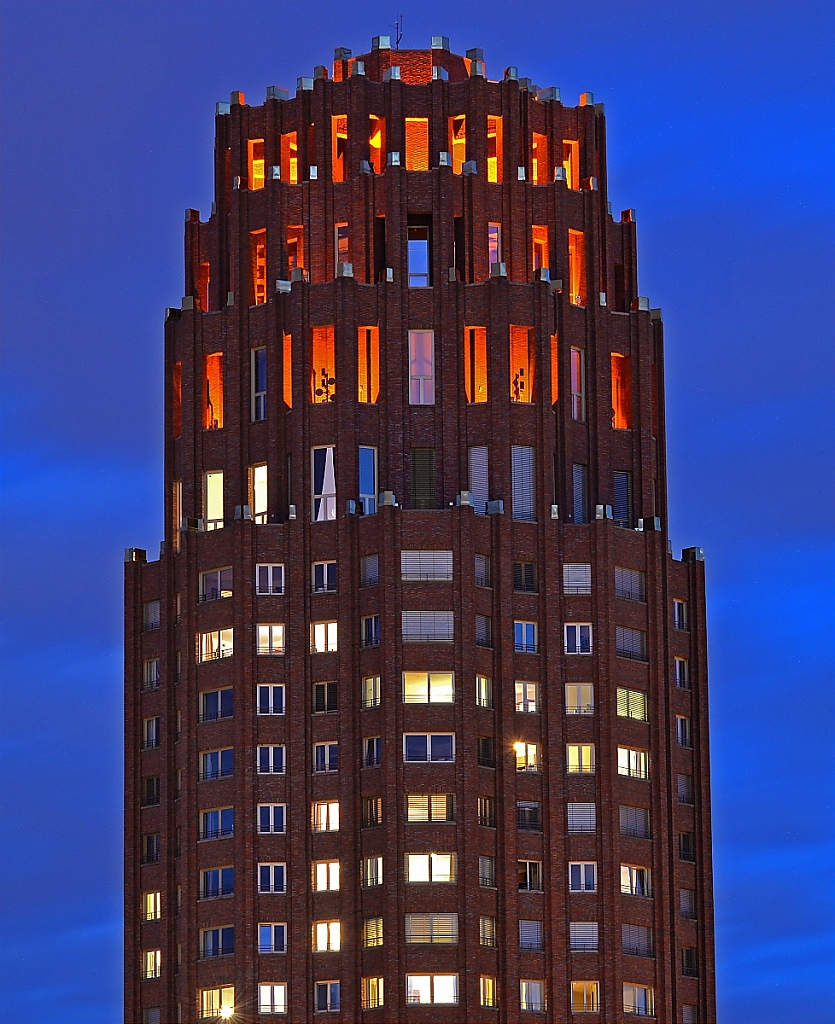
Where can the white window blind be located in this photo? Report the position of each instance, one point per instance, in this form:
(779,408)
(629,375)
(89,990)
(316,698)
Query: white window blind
(521,458)
(479,484)
(369,570)
(576,578)
(431,928)
(427,626)
(426,565)
(530,935)
(582,817)
(583,936)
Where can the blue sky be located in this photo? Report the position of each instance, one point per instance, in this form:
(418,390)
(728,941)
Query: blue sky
(719,135)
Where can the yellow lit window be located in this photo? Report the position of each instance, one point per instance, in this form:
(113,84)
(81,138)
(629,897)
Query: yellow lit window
(213,391)
(585,996)
(539,241)
(571,163)
(326,876)
(176,513)
(372,993)
(621,392)
(368,364)
(458,142)
(577,268)
(288,370)
(527,756)
(339,146)
(258,492)
(487,990)
(151,963)
(475,364)
(258,267)
(256,164)
(372,931)
(327,936)
(539,159)
(217,1002)
(177,401)
(152,906)
(417,144)
(376,142)
(521,364)
(290,158)
(579,757)
(213,499)
(295,247)
(323,370)
(494,149)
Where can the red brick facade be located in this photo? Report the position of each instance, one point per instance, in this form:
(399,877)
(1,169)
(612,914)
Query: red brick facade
(244,301)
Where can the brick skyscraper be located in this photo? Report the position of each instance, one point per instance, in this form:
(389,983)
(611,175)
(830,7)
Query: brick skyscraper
(416,706)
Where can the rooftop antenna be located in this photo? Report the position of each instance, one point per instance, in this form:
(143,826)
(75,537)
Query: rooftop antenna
(398,31)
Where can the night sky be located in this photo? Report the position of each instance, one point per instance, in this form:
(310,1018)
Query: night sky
(719,135)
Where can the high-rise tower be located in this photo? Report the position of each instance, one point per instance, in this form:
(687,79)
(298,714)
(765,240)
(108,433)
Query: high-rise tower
(416,707)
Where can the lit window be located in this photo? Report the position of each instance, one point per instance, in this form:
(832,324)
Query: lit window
(371,871)
(272,938)
(258,492)
(422,746)
(638,999)
(582,876)
(458,142)
(269,578)
(372,932)
(339,146)
(217,882)
(634,880)
(326,996)
(539,159)
(258,372)
(527,756)
(255,153)
(323,577)
(430,807)
(368,479)
(217,764)
(270,637)
(428,688)
(540,257)
(271,760)
(417,240)
(632,704)
(325,876)
(484,691)
(432,988)
(527,697)
(290,158)
(523,494)
(577,268)
(372,993)
(578,638)
(218,643)
(218,823)
(371,695)
(287,368)
(323,370)
(532,995)
(322,637)
(272,819)
(217,942)
(368,364)
(217,1002)
(213,391)
(521,364)
(494,243)
(324,484)
(585,996)
(258,267)
(529,875)
(571,163)
(579,699)
(204,280)
(295,248)
(475,364)
(579,757)
(152,906)
(272,997)
(524,637)
(376,142)
(632,762)
(325,757)
(176,514)
(417,144)
(583,936)
(327,936)
(325,816)
(341,244)
(431,928)
(213,499)
(494,148)
(621,392)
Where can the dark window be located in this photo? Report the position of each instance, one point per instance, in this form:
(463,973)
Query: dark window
(325,697)
(423,477)
(525,577)
(581,493)
(622,507)
(486,752)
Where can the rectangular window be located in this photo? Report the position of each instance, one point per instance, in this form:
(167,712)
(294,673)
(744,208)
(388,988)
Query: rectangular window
(272,938)
(217,1002)
(529,875)
(371,697)
(635,822)
(218,643)
(217,942)
(576,578)
(523,495)
(258,492)
(325,757)
(578,638)
(577,268)
(527,697)
(272,878)
(578,384)
(687,846)
(371,872)
(290,158)
(213,391)
(151,906)
(630,584)
(327,936)
(527,756)
(372,932)
(372,811)
(571,163)
(528,816)
(684,731)
(582,817)
(684,785)
(324,483)
(532,995)
(150,616)
(324,816)
(428,688)
(151,790)
(421,367)
(638,999)
(425,566)
(633,763)
(217,704)
(177,402)
(269,578)
(634,880)
(622,504)
(525,637)
(581,493)
(494,148)
(484,691)
(521,364)
(585,996)
(323,577)
(431,929)
(325,875)
(217,764)
(204,281)
(689,964)
(427,626)
(458,142)
(582,876)
(540,259)
(151,848)
(631,643)
(583,936)
(539,159)
(475,364)
(579,757)
(339,147)
(323,637)
(487,811)
(287,368)
(326,995)
(421,746)
(487,991)
(621,392)
(486,751)
(258,377)
(579,699)
(487,872)
(176,514)
(419,265)
(494,243)
(325,698)
(680,618)
(430,807)
(341,244)
(271,760)
(487,932)
(270,637)
(440,989)
(272,819)
(323,366)
(417,143)
(482,570)
(213,499)
(272,997)
(479,478)
(681,671)
(632,704)
(376,143)
(368,480)
(257,267)
(369,570)
(372,993)
(368,364)
(255,161)
(218,823)
(484,631)
(687,904)
(295,248)
(530,935)
(555,375)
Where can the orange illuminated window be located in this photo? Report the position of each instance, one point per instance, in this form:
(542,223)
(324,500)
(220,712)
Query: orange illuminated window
(539,163)
(295,247)
(458,142)
(176,513)
(339,146)
(376,142)
(417,144)
(341,243)
(258,267)
(323,370)
(621,392)
(368,364)
(256,163)
(213,391)
(539,237)
(204,280)
(521,364)
(555,377)
(494,148)
(475,364)
(571,162)
(577,268)
(290,158)
(288,371)
(177,399)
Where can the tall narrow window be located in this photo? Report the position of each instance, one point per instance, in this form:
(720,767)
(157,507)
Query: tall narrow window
(213,391)
(571,163)
(479,478)
(213,499)
(258,267)
(423,477)
(522,471)
(539,241)
(539,159)
(475,364)
(368,364)
(577,268)
(622,504)
(176,514)
(341,244)
(255,155)
(421,368)
(295,247)
(290,158)
(324,484)
(258,492)
(417,144)
(578,384)
(258,371)
(494,243)
(521,364)
(323,370)
(581,493)
(339,146)
(288,370)
(458,142)
(376,142)
(368,479)
(418,255)
(494,148)
(177,400)
(621,392)
(555,368)
(204,280)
